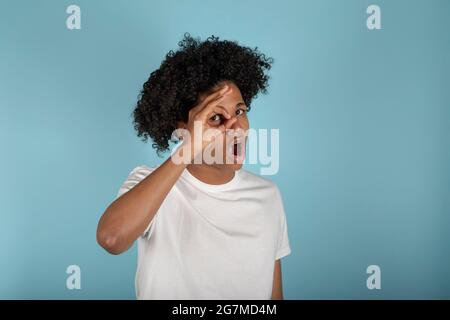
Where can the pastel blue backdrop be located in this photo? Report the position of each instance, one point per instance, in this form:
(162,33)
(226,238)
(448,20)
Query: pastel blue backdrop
(364,119)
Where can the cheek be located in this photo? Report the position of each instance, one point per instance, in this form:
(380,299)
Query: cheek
(243,122)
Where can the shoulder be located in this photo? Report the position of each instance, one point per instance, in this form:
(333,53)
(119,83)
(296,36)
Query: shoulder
(141,171)
(259,181)
(136,175)
(267,192)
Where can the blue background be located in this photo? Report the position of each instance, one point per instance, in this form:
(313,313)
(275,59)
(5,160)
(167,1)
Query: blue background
(364,120)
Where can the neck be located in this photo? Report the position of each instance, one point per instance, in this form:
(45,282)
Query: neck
(211,174)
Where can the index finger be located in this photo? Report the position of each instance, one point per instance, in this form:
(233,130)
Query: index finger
(216,95)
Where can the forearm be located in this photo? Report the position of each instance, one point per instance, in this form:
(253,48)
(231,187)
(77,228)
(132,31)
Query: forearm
(129,215)
(277,288)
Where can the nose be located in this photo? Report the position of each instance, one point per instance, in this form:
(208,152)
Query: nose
(237,128)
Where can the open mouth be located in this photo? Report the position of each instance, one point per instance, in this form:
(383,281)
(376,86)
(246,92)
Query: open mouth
(237,150)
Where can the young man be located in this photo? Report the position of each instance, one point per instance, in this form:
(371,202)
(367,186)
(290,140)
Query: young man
(205,229)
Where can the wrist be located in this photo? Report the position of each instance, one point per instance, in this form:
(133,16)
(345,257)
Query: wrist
(183,155)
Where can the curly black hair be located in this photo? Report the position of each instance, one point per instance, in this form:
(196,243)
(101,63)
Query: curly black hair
(197,67)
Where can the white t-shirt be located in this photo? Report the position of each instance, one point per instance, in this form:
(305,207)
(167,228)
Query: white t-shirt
(211,241)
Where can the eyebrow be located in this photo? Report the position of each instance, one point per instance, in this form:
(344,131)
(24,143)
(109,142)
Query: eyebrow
(237,105)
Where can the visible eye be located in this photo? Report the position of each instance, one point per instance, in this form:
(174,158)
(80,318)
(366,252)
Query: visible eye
(215,118)
(241,111)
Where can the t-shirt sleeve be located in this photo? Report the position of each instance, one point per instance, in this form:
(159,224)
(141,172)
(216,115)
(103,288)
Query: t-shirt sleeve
(283,246)
(134,177)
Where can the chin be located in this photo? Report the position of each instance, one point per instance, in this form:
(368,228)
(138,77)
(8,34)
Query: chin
(235,166)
